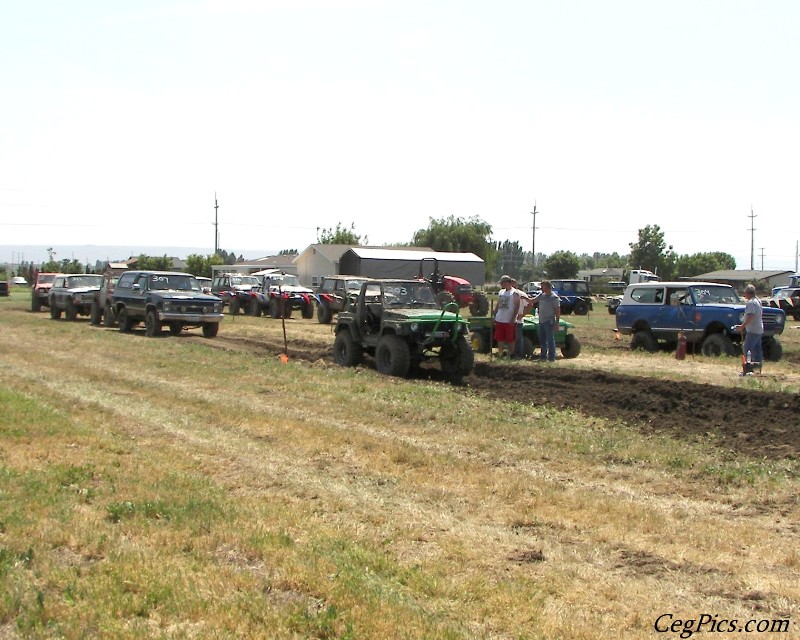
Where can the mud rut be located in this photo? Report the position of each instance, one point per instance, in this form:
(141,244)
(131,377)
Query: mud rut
(756,423)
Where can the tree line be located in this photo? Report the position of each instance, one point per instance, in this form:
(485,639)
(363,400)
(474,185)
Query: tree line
(467,235)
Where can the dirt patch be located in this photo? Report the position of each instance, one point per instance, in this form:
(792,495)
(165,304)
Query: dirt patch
(760,424)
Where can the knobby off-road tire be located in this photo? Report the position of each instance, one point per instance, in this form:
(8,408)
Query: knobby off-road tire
(443,298)
(152,325)
(457,359)
(175,328)
(308,310)
(324,313)
(572,347)
(255,308)
(346,352)
(287,309)
(479,306)
(210,329)
(773,350)
(481,341)
(581,308)
(392,356)
(644,340)
(95,314)
(717,345)
(36,303)
(124,322)
(274,308)
(528,347)
(234,306)
(55,312)
(109,317)
(71,312)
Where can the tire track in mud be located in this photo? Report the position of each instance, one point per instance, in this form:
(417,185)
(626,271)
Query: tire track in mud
(760,424)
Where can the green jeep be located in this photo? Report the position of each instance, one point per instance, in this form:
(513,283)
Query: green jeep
(399,323)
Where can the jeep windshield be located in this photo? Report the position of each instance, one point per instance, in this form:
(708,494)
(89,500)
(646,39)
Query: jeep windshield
(284,280)
(74,282)
(244,281)
(175,282)
(405,294)
(714,294)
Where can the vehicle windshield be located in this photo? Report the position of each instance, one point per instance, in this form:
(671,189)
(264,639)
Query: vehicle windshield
(715,294)
(44,279)
(788,293)
(176,282)
(244,281)
(354,285)
(87,280)
(284,280)
(406,294)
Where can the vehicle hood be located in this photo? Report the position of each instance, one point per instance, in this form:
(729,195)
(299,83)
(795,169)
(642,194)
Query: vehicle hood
(421,315)
(83,289)
(168,294)
(291,289)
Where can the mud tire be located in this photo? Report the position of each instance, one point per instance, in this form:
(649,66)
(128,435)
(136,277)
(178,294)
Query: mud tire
(392,356)
(346,352)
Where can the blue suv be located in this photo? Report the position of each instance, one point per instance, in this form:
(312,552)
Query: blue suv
(705,312)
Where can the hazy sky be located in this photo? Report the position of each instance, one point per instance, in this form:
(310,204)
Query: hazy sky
(119,120)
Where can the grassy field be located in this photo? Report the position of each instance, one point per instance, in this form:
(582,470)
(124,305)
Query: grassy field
(170,488)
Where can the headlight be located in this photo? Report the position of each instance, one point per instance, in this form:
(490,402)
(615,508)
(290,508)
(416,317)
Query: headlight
(741,317)
(781,318)
(414,327)
(217,307)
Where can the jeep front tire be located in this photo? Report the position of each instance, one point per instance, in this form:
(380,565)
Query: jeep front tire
(346,352)
(392,356)
(457,359)
(324,313)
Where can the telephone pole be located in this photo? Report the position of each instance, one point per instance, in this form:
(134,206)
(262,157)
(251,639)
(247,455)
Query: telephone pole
(762,258)
(533,242)
(752,239)
(216,225)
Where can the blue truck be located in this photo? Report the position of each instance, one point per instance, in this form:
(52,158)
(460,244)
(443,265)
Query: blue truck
(655,313)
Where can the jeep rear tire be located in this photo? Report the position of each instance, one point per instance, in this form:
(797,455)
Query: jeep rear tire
(716,345)
(152,325)
(346,352)
(95,314)
(572,347)
(210,329)
(109,317)
(71,312)
(392,356)
(773,351)
(644,340)
(324,313)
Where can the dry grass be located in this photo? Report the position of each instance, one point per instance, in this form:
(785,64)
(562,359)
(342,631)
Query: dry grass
(163,488)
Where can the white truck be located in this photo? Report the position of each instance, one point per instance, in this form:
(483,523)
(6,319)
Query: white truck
(641,275)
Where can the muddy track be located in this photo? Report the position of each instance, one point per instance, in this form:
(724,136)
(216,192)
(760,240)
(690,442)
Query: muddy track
(756,423)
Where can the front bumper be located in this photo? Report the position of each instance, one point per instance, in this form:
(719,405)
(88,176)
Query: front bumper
(189,318)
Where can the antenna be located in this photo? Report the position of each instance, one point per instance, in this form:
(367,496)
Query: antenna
(216,225)
(533,242)
(752,238)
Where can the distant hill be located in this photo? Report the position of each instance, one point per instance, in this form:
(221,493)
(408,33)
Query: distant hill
(91,253)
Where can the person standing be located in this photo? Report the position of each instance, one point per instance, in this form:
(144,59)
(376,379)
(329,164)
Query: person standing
(549,305)
(753,328)
(505,317)
(525,303)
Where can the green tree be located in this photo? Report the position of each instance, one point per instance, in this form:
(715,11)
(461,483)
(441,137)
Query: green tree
(341,235)
(651,252)
(511,258)
(70,266)
(154,263)
(201,265)
(459,235)
(687,266)
(288,252)
(561,264)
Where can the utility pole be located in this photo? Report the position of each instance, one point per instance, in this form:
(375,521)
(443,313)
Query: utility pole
(762,258)
(752,239)
(216,225)
(796,254)
(533,242)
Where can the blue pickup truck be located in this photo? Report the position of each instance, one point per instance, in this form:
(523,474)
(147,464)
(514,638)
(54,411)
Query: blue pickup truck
(705,312)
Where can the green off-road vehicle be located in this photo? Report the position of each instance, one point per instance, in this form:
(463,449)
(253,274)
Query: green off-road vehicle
(399,324)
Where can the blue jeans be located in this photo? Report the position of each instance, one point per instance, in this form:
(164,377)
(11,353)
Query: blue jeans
(547,340)
(519,349)
(752,343)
